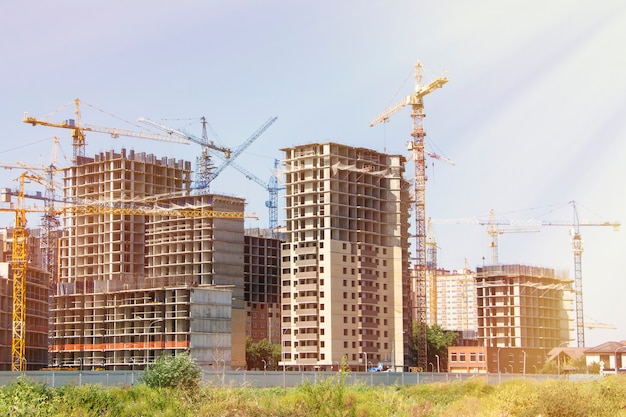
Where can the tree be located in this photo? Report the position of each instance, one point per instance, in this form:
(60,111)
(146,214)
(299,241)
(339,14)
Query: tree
(438,341)
(180,371)
(263,350)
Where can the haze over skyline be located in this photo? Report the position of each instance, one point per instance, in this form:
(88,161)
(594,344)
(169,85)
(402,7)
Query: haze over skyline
(532,114)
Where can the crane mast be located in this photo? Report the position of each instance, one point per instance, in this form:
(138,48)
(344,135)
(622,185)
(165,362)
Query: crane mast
(20,266)
(418,297)
(577,249)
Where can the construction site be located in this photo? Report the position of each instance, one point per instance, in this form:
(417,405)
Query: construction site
(137,257)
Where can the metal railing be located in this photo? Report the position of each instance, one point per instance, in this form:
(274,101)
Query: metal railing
(261,379)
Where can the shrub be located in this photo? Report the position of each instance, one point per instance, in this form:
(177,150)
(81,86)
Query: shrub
(26,398)
(168,371)
(328,397)
(87,400)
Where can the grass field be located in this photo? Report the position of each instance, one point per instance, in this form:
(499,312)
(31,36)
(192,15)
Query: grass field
(599,398)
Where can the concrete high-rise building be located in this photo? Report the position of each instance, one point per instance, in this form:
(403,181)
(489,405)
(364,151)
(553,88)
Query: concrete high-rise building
(132,285)
(345,262)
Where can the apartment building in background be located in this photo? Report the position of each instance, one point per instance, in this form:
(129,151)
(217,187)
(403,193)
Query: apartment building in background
(456,304)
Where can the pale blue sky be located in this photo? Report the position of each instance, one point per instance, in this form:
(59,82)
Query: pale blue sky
(533,114)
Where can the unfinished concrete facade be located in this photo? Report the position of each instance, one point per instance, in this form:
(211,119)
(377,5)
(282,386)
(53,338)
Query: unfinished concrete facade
(135,285)
(262,284)
(523,306)
(109,327)
(345,289)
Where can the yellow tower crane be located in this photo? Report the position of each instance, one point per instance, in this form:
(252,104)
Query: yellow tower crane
(418,298)
(20,266)
(79,129)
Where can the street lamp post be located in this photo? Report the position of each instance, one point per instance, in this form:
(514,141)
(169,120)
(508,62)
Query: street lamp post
(282,353)
(616,366)
(152,323)
(558,357)
(438,369)
(365,355)
(524,369)
(499,360)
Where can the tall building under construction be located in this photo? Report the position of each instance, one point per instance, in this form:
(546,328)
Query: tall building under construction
(133,285)
(344,283)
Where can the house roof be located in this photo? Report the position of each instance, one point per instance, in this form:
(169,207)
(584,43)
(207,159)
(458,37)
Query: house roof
(607,347)
(571,352)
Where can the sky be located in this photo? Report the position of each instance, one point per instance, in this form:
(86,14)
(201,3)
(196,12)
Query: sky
(532,114)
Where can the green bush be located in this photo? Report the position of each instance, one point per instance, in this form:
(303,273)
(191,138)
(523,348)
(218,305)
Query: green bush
(180,371)
(87,400)
(328,397)
(26,398)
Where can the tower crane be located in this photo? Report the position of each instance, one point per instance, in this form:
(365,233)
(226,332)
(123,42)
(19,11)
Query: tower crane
(597,325)
(205,171)
(20,266)
(577,249)
(79,129)
(204,165)
(20,246)
(418,298)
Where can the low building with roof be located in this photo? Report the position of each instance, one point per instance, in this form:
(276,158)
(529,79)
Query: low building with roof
(609,355)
